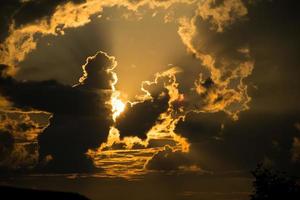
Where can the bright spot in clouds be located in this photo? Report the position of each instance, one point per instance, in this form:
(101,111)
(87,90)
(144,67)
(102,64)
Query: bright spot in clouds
(117,107)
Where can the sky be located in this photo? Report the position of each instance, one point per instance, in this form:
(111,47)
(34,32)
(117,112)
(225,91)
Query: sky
(185,95)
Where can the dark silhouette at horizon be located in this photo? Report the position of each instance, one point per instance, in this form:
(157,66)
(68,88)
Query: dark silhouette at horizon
(13,193)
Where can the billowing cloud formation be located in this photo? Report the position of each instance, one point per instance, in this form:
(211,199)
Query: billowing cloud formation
(226,58)
(155,114)
(226,93)
(52,18)
(81,115)
(225,37)
(141,115)
(221,88)
(266,131)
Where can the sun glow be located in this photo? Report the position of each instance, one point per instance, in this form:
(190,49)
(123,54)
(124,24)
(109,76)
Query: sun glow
(117,107)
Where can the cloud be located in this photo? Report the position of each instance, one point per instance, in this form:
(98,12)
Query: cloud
(52,18)
(201,126)
(81,116)
(221,13)
(153,143)
(170,160)
(154,113)
(225,36)
(139,118)
(266,131)
(135,137)
(20,24)
(225,57)
(220,144)
(7,9)
(6,145)
(56,16)
(18,138)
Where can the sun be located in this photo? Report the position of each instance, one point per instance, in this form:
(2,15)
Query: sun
(117,107)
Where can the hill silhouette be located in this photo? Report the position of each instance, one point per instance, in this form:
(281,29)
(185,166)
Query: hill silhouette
(8,192)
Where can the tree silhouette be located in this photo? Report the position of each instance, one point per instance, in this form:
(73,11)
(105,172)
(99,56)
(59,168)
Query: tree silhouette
(271,184)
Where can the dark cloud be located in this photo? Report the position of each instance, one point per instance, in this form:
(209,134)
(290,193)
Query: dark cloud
(18,138)
(201,126)
(255,137)
(153,143)
(33,10)
(139,118)
(81,119)
(81,116)
(274,41)
(138,146)
(269,33)
(6,144)
(23,127)
(22,13)
(7,8)
(266,23)
(266,131)
(115,146)
(169,159)
(267,135)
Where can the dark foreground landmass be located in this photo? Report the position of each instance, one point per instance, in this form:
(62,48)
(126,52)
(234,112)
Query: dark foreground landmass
(15,193)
